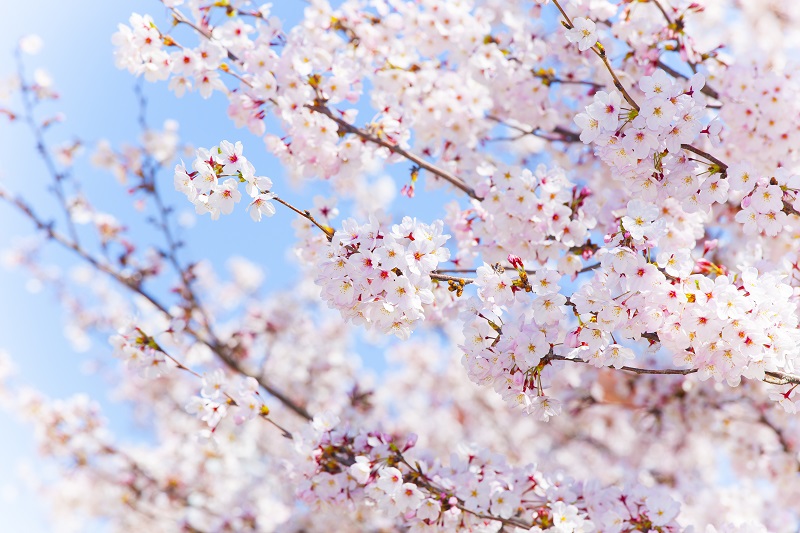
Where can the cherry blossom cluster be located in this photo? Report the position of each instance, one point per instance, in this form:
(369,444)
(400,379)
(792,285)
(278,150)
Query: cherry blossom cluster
(726,326)
(723,325)
(140,50)
(381,278)
(513,327)
(659,236)
(270,70)
(211,406)
(766,199)
(213,184)
(475,491)
(536,215)
(72,429)
(139,352)
(162,145)
(759,133)
(645,145)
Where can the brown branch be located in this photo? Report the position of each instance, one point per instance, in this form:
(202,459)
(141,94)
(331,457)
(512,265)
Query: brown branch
(563,13)
(507,267)
(180,19)
(781,378)
(663,11)
(421,479)
(420,162)
(666,371)
(28,104)
(689,148)
(307,215)
(588,268)
(443,277)
(706,90)
(263,415)
(566,135)
(600,52)
(787,448)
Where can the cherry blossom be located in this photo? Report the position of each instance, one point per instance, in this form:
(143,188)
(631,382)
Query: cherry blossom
(583,32)
(597,331)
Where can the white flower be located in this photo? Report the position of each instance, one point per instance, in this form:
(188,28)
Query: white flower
(544,407)
(213,384)
(390,480)
(31,44)
(606,109)
(662,509)
(361,469)
(583,32)
(590,127)
(639,219)
(409,497)
(261,206)
(505,503)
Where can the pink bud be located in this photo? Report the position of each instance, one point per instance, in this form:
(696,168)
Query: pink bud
(703,266)
(571,340)
(710,245)
(746,201)
(515,261)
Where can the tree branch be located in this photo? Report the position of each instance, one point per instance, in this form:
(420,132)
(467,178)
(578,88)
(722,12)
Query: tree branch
(666,371)
(420,162)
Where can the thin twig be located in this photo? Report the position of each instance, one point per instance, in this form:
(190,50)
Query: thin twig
(231,400)
(601,53)
(421,479)
(666,371)
(180,19)
(663,11)
(782,377)
(566,135)
(443,277)
(171,253)
(706,90)
(307,215)
(588,268)
(689,148)
(38,135)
